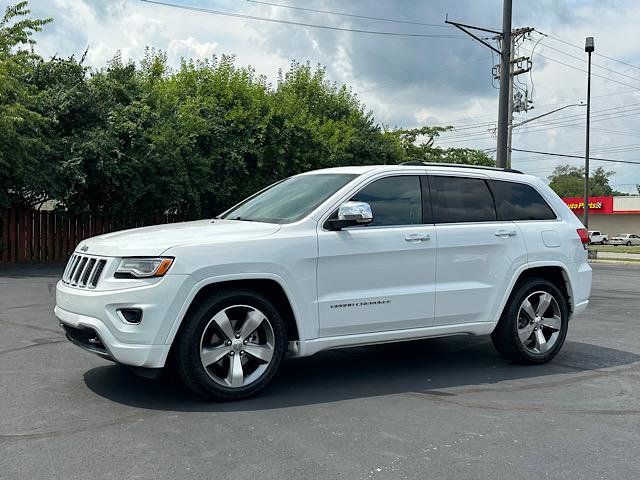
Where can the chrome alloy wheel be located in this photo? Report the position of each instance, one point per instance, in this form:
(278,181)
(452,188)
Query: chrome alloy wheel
(539,322)
(237,346)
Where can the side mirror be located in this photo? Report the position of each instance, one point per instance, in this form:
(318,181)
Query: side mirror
(351,213)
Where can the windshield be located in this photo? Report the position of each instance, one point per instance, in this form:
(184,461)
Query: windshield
(289,200)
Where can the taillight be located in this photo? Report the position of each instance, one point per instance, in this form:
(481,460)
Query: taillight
(583,233)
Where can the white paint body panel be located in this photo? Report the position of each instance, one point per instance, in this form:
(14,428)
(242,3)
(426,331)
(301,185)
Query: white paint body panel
(474,267)
(372,279)
(456,282)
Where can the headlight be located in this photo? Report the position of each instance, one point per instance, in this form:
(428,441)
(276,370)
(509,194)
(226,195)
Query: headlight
(143,267)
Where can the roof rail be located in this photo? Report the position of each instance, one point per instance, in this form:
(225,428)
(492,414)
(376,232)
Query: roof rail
(418,163)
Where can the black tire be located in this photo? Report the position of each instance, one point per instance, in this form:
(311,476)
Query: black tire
(187,352)
(628,244)
(505,336)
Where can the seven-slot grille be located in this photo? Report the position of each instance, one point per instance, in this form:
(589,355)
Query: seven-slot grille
(83,271)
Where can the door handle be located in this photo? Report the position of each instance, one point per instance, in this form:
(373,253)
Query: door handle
(417,237)
(505,233)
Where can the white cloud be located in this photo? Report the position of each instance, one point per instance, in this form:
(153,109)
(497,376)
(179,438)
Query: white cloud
(190,47)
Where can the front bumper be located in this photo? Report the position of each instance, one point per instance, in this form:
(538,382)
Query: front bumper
(151,356)
(92,314)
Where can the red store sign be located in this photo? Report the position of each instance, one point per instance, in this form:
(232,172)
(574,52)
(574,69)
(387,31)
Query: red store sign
(597,205)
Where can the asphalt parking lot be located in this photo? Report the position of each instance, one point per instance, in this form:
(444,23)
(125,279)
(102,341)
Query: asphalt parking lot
(445,408)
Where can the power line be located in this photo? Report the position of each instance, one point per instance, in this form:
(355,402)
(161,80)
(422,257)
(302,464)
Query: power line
(553,154)
(461,121)
(601,149)
(312,25)
(600,113)
(482,135)
(609,113)
(604,130)
(342,14)
(598,118)
(579,69)
(581,48)
(593,64)
(564,121)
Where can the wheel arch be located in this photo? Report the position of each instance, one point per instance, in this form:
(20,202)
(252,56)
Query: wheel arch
(269,286)
(556,273)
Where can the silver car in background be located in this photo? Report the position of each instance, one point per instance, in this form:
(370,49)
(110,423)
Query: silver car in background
(627,239)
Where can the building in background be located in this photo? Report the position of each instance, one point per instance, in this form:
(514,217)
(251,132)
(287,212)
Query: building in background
(610,215)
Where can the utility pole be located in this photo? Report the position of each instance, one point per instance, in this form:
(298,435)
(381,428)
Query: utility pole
(517,66)
(510,113)
(508,67)
(505,81)
(589,48)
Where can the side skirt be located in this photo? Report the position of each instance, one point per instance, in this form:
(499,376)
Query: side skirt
(309,347)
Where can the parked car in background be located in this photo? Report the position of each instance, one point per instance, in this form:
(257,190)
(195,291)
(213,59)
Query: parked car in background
(627,239)
(597,237)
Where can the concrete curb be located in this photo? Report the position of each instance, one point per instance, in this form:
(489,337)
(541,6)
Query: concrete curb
(595,254)
(615,262)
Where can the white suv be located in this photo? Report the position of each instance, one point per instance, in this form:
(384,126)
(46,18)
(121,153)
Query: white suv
(333,258)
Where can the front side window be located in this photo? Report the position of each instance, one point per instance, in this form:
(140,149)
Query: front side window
(289,200)
(518,201)
(393,200)
(461,199)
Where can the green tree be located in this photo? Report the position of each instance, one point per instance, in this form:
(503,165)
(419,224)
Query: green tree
(196,140)
(25,177)
(418,144)
(136,140)
(568,181)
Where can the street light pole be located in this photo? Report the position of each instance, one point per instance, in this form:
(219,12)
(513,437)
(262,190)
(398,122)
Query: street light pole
(589,48)
(549,113)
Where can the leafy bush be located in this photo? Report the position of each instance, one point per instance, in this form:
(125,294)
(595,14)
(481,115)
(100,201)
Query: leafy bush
(138,140)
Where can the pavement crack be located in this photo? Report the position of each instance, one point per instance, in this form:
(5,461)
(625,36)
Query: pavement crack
(33,327)
(126,419)
(38,343)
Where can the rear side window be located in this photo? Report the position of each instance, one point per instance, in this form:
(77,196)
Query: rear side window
(393,200)
(460,199)
(518,201)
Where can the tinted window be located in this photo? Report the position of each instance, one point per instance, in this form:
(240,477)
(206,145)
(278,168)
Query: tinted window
(290,199)
(459,199)
(393,200)
(517,201)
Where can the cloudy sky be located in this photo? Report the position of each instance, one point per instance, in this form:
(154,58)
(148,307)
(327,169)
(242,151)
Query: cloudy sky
(405,80)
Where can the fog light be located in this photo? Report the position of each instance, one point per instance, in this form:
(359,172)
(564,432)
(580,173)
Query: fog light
(131,315)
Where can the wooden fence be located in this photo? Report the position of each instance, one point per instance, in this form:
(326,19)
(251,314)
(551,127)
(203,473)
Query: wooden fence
(36,236)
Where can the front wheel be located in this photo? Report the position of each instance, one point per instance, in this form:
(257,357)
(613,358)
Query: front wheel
(628,244)
(231,346)
(534,323)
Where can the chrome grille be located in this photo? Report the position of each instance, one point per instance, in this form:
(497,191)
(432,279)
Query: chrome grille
(83,271)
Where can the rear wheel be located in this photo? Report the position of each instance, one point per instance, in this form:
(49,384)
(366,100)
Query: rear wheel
(628,244)
(534,323)
(231,345)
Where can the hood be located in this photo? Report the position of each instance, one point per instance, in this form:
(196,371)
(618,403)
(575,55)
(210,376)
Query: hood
(153,241)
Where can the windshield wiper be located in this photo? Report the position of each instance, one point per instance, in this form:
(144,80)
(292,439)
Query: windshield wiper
(242,219)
